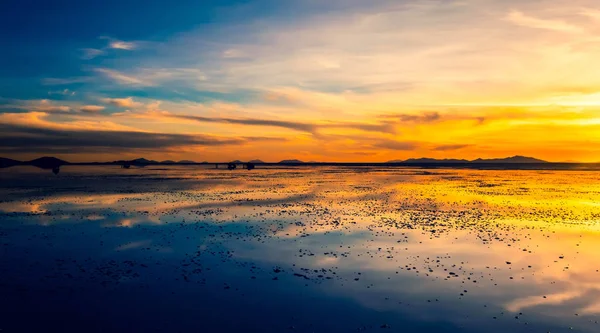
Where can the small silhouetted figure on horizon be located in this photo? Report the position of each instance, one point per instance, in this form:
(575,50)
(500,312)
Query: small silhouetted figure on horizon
(250,166)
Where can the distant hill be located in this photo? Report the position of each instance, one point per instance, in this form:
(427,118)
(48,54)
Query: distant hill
(168,162)
(143,161)
(7,162)
(291,162)
(236,162)
(46,162)
(186,162)
(514,159)
(256,161)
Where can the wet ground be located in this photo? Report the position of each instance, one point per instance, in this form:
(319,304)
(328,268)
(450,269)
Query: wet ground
(191,249)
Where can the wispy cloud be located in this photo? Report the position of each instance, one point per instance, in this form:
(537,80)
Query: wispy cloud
(42,105)
(64,92)
(298,126)
(591,13)
(47,106)
(113,44)
(522,19)
(312,128)
(122,102)
(121,45)
(65,81)
(122,78)
(90,53)
(425,117)
(396,145)
(24,138)
(92,108)
(451,147)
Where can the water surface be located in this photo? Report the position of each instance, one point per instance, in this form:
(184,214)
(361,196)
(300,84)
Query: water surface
(329,249)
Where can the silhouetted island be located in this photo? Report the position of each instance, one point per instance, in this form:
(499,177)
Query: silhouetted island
(291,162)
(47,162)
(7,162)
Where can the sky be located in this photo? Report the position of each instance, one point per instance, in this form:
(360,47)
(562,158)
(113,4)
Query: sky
(337,80)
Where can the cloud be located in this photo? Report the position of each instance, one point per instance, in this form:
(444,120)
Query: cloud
(591,13)
(426,117)
(42,105)
(521,19)
(298,126)
(451,147)
(121,45)
(233,53)
(122,78)
(91,108)
(90,53)
(47,106)
(24,138)
(65,81)
(43,120)
(293,125)
(64,92)
(395,145)
(122,102)
(387,127)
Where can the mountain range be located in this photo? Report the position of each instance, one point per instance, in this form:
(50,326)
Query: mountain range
(513,159)
(53,162)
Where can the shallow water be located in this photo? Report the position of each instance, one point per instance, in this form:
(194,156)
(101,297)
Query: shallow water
(299,249)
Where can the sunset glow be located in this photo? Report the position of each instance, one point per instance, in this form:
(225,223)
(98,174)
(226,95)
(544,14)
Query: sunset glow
(310,80)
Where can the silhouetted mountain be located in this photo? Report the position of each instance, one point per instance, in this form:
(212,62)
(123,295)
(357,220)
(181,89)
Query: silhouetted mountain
(514,159)
(47,162)
(291,162)
(236,162)
(186,162)
(143,161)
(256,161)
(7,162)
(168,162)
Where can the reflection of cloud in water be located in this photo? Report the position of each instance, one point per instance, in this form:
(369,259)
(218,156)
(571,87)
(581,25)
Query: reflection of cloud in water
(133,245)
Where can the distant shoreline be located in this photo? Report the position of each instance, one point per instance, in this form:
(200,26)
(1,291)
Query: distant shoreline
(471,166)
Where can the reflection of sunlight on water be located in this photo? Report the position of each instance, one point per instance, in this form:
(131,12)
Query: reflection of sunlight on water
(517,240)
